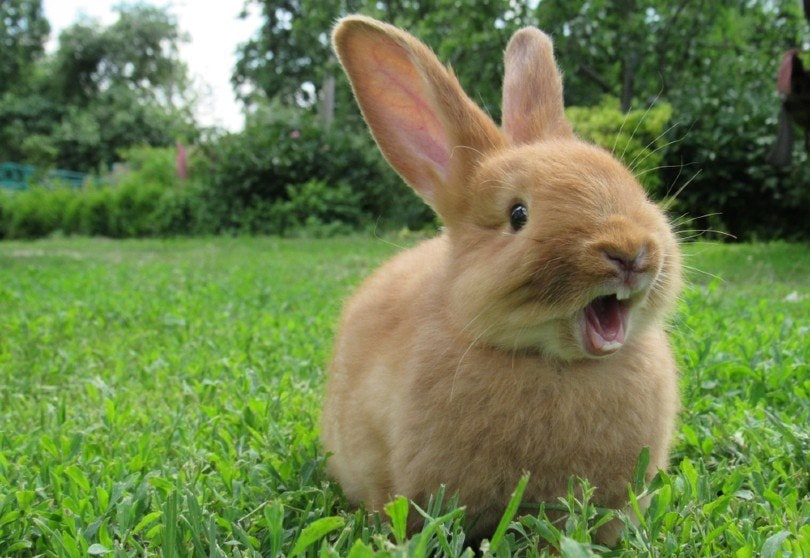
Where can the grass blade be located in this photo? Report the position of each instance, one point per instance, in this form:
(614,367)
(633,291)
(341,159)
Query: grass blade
(509,514)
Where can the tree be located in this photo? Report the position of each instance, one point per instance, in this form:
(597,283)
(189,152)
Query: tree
(635,51)
(290,58)
(290,51)
(105,88)
(139,52)
(23,32)
(713,61)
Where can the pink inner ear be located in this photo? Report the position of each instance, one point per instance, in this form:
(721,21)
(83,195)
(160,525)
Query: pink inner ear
(416,119)
(396,104)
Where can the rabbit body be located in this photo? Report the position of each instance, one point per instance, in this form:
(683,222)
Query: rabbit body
(528,336)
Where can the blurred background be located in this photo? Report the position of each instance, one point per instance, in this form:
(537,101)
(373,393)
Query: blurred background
(139,119)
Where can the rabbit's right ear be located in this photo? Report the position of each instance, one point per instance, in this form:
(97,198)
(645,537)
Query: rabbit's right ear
(532,90)
(425,125)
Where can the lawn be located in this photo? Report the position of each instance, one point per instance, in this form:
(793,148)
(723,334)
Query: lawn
(162,398)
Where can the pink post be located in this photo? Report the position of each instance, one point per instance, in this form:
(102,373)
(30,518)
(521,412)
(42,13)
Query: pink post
(181,164)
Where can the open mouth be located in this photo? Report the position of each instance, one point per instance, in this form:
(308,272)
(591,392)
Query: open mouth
(605,325)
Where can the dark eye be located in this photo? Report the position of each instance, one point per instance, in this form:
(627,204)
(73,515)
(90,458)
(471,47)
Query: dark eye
(518,216)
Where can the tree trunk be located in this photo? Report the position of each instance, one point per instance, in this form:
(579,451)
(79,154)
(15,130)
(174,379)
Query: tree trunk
(629,66)
(628,11)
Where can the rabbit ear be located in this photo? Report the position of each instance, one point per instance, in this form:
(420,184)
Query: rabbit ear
(532,90)
(424,124)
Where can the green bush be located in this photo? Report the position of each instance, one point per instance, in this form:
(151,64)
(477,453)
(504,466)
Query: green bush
(322,209)
(182,211)
(636,137)
(255,176)
(145,199)
(33,213)
(153,165)
(134,208)
(94,212)
(722,161)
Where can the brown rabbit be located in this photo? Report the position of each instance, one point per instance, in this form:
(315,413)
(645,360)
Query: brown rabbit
(528,336)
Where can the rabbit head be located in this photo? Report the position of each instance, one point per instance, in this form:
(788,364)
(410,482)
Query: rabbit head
(554,246)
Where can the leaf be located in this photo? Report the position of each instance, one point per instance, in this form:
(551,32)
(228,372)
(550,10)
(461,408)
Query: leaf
(361,550)
(274,519)
(315,531)
(18,546)
(10,517)
(431,528)
(773,543)
(688,470)
(662,498)
(147,520)
(569,548)
(720,504)
(25,498)
(398,513)
(78,477)
(170,535)
(98,550)
(509,514)
(161,484)
(640,470)
(636,507)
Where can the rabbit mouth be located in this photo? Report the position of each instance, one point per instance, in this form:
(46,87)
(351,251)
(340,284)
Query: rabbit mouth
(605,325)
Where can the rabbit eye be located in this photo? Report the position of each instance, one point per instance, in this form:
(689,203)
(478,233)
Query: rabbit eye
(518,216)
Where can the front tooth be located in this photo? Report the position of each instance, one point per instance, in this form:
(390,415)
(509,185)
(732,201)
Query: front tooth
(623,294)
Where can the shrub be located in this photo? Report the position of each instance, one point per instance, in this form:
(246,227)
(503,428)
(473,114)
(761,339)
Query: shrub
(95,212)
(149,165)
(722,160)
(133,208)
(182,211)
(33,213)
(145,199)
(322,209)
(255,175)
(636,137)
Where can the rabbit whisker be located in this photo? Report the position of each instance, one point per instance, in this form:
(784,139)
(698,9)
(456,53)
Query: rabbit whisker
(671,199)
(638,124)
(461,360)
(619,133)
(633,165)
(702,272)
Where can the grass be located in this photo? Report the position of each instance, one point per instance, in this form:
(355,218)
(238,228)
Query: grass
(162,397)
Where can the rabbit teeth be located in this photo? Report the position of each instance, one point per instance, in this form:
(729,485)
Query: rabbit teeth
(623,293)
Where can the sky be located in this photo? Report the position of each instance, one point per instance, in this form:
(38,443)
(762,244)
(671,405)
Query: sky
(215,31)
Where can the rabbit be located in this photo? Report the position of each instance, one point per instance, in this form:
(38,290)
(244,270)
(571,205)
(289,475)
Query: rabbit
(529,335)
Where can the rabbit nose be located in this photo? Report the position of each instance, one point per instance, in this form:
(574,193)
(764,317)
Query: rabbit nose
(627,261)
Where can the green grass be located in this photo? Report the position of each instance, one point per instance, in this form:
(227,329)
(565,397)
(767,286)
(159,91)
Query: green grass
(162,398)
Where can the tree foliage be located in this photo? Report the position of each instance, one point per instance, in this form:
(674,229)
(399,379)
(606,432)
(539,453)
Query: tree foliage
(23,32)
(139,52)
(105,88)
(685,89)
(290,56)
(712,62)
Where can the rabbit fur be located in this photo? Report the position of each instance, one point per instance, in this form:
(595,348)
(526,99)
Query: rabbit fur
(506,344)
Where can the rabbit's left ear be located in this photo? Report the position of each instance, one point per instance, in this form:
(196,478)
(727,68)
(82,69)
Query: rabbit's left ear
(532,90)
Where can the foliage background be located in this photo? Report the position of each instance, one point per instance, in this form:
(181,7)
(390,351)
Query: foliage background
(683,90)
